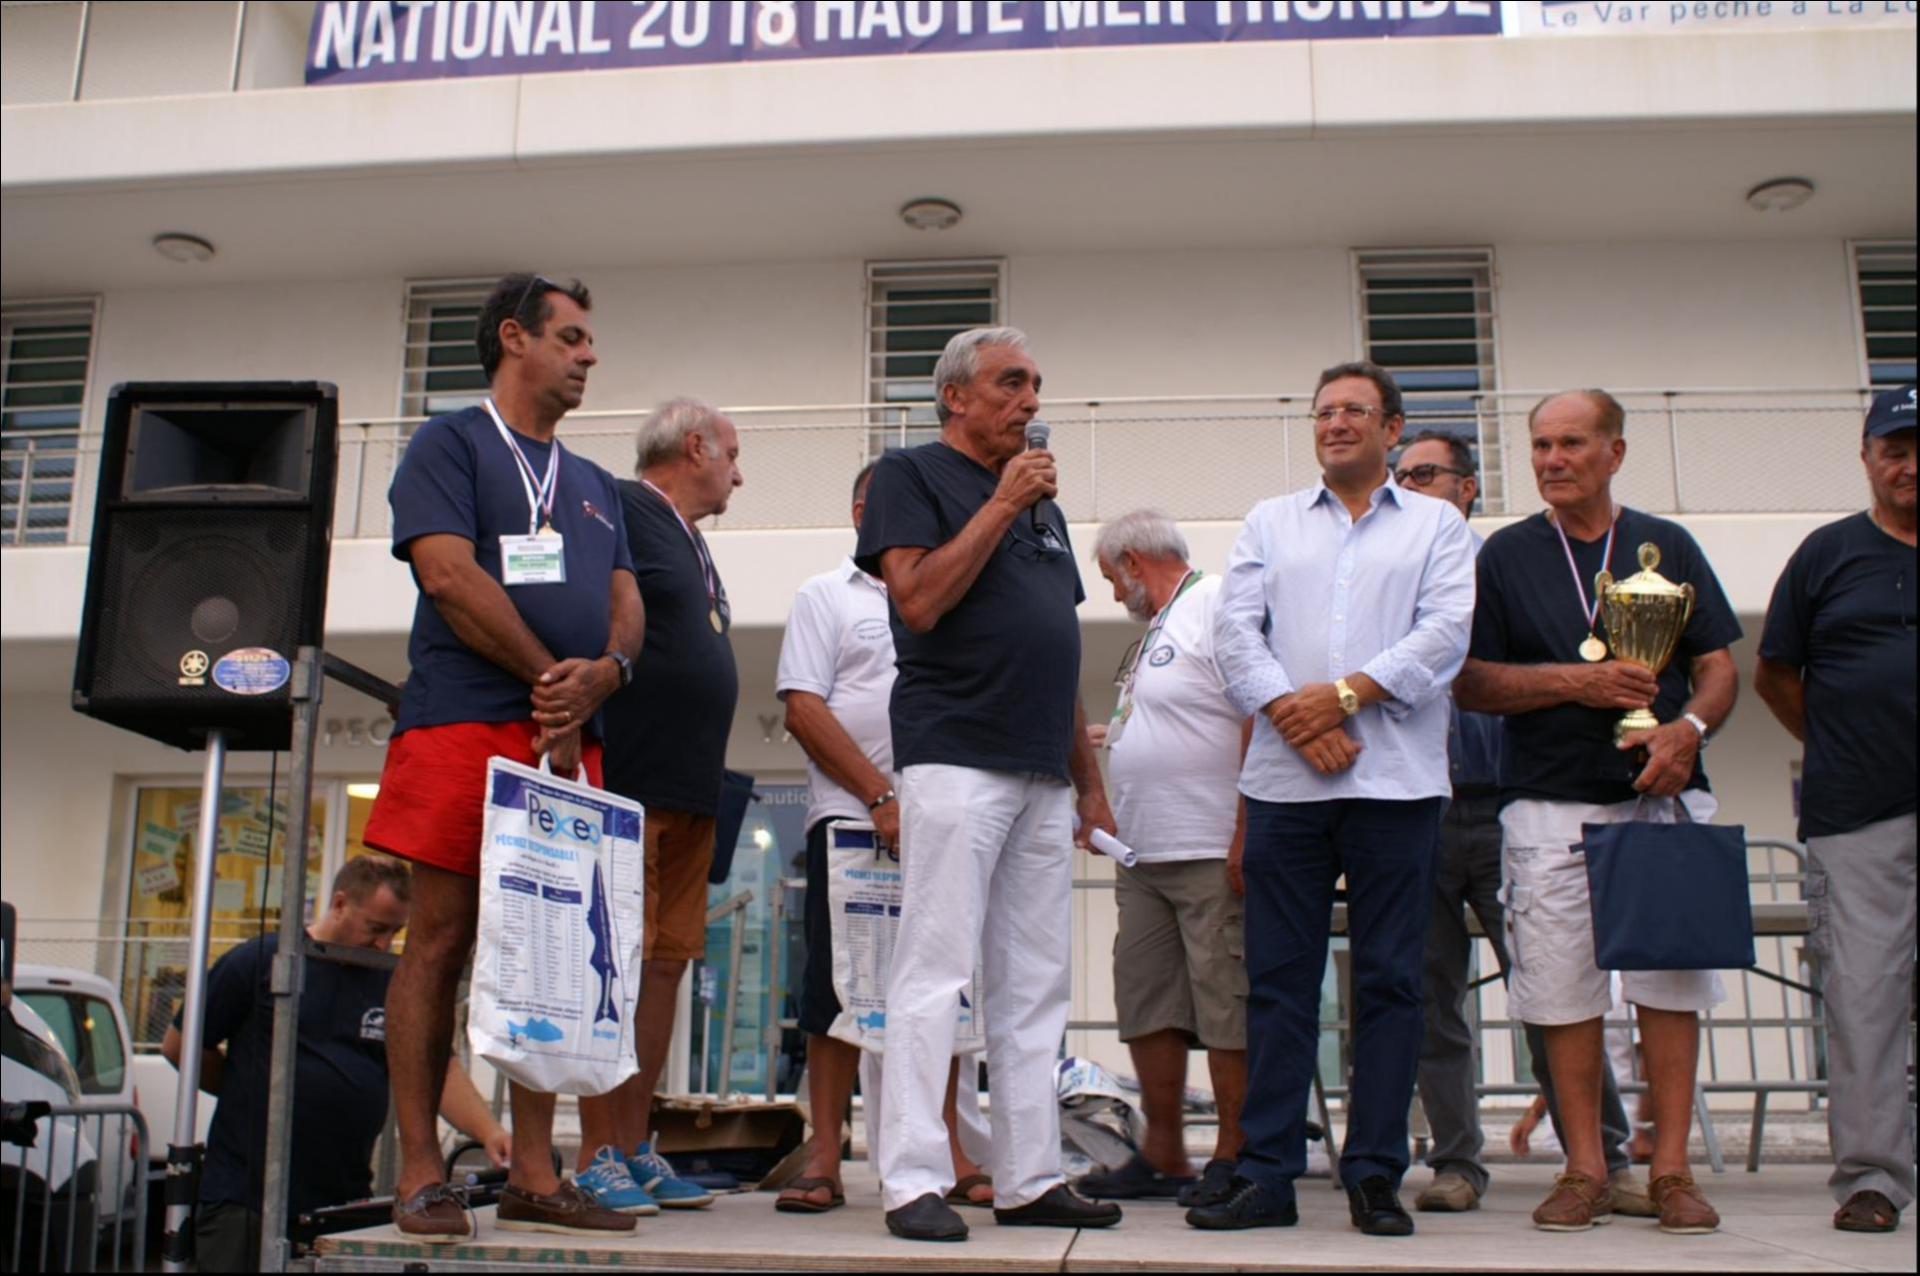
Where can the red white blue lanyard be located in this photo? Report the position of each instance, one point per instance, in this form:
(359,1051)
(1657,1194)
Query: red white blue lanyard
(540,491)
(707,571)
(1590,611)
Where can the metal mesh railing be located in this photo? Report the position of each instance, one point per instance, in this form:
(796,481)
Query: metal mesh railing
(1767,1038)
(1688,452)
(146,962)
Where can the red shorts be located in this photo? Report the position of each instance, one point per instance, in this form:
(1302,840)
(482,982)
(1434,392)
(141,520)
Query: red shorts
(433,790)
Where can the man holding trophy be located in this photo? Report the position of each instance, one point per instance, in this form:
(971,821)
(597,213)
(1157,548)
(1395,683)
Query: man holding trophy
(1564,663)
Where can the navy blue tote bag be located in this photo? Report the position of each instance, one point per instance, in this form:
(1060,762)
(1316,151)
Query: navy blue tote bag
(736,791)
(1669,896)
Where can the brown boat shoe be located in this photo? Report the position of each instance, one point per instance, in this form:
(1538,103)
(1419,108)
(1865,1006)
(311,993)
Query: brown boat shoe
(567,1210)
(1683,1209)
(433,1215)
(1576,1204)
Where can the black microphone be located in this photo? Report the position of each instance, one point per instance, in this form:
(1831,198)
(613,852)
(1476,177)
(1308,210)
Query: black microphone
(1038,432)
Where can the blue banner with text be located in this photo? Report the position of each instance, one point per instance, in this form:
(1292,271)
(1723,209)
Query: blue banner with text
(366,41)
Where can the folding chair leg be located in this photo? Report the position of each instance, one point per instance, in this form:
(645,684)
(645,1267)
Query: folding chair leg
(1326,1126)
(1757,1132)
(1707,1132)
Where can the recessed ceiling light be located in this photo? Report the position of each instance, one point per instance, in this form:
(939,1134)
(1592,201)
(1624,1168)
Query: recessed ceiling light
(1781,195)
(175,246)
(930,214)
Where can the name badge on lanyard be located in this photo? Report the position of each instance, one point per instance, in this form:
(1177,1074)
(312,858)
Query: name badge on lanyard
(539,557)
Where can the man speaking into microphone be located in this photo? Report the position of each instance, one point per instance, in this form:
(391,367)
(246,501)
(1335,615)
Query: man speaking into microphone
(988,732)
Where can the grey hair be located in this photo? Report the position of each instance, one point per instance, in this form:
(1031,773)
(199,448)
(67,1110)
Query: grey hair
(663,434)
(1149,533)
(961,359)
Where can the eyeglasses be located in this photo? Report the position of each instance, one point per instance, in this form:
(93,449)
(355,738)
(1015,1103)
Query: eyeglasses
(1422,475)
(1126,663)
(544,284)
(1352,411)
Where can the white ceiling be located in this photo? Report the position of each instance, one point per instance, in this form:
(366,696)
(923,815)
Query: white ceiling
(1567,185)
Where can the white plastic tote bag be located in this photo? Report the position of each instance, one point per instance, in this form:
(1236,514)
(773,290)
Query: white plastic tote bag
(556,966)
(864,891)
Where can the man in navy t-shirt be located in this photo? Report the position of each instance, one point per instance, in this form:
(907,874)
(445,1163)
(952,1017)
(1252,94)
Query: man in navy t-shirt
(667,749)
(528,619)
(340,1073)
(1837,668)
(988,731)
(1541,655)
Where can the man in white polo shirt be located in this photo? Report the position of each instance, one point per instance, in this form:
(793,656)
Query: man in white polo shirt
(836,677)
(1175,745)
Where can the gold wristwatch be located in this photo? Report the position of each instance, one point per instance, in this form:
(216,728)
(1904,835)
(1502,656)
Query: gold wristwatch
(1349,698)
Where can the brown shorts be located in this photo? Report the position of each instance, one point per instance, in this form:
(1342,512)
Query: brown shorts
(1179,960)
(679,853)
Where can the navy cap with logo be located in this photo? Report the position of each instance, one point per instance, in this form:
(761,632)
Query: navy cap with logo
(1891,412)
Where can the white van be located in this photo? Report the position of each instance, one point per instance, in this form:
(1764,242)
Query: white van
(82,1011)
(57,1179)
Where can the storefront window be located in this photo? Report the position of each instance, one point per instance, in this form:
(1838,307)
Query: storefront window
(246,891)
(771,847)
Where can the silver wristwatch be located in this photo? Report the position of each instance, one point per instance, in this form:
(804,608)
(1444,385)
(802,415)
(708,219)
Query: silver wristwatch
(1699,724)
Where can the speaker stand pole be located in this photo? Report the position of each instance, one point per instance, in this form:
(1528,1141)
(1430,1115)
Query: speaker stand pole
(289,963)
(183,1157)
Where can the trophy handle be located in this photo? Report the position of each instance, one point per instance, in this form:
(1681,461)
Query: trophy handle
(1688,597)
(1602,582)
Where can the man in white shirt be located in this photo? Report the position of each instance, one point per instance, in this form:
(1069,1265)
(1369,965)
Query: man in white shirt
(836,677)
(1175,745)
(1342,622)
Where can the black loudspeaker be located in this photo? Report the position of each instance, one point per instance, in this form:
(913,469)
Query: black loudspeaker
(211,534)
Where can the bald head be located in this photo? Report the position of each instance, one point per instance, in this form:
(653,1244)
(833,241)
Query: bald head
(1608,414)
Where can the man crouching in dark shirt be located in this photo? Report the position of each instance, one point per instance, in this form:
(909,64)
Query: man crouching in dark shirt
(340,1078)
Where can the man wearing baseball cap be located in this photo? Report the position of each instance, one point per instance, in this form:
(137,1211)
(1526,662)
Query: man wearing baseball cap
(1837,668)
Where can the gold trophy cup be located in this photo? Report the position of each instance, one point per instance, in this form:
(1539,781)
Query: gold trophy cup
(1645,614)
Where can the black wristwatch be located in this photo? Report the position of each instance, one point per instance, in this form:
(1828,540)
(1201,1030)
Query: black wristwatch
(881,801)
(625,667)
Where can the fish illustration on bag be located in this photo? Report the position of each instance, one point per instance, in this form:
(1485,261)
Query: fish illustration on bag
(534,1030)
(601,961)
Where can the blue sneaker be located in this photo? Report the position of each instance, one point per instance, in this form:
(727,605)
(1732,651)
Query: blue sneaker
(608,1181)
(656,1177)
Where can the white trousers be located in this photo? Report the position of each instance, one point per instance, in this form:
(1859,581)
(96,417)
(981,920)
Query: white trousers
(987,867)
(976,1139)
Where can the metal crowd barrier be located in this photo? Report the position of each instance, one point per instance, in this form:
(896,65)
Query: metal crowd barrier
(78,1198)
(1772,1023)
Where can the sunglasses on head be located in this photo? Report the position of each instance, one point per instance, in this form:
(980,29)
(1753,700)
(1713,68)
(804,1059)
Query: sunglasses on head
(541,282)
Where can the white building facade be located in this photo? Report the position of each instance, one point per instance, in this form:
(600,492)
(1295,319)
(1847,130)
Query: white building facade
(1188,231)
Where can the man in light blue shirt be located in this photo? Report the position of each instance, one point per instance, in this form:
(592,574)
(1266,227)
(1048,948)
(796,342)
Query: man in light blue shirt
(1342,622)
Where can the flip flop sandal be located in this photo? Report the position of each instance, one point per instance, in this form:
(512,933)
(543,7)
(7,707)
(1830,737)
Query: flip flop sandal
(962,1193)
(802,1205)
(1867,1212)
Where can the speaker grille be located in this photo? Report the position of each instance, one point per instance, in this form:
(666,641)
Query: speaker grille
(206,580)
(210,534)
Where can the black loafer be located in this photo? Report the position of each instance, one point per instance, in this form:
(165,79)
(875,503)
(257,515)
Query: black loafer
(1136,1180)
(1246,1204)
(927,1218)
(1059,1207)
(1376,1208)
(1211,1188)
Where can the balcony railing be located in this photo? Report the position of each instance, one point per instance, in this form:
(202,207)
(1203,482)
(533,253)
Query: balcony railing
(1705,451)
(75,50)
